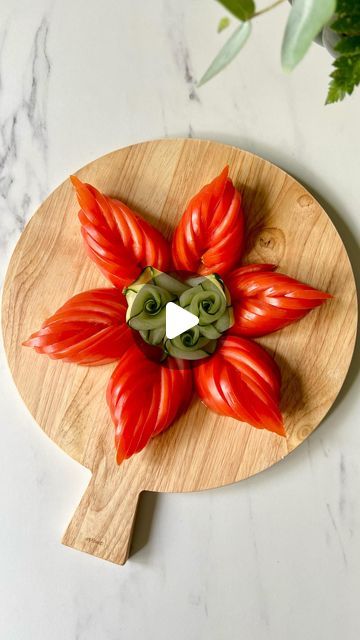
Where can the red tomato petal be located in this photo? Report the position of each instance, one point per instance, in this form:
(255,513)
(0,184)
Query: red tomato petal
(89,329)
(264,301)
(210,234)
(145,398)
(116,239)
(241,380)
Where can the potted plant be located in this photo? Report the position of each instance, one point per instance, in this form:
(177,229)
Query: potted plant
(333,23)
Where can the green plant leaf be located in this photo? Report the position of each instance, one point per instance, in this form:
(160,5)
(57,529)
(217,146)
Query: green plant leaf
(306,19)
(349,46)
(346,74)
(228,52)
(345,77)
(347,24)
(223,24)
(347,20)
(347,6)
(241,9)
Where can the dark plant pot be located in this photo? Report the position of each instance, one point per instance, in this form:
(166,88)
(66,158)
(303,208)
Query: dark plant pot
(330,39)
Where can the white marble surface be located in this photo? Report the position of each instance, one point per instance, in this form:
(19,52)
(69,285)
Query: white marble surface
(272,558)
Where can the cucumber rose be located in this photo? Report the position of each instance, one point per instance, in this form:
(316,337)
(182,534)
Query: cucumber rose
(204,296)
(146,307)
(190,345)
(209,300)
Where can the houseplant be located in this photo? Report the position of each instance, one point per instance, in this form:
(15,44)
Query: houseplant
(335,22)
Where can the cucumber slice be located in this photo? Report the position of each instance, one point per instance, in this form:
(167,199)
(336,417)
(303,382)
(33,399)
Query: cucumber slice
(196,354)
(226,321)
(210,331)
(153,336)
(147,309)
(169,283)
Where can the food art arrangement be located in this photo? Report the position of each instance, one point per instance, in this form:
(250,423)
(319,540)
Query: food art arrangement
(199,270)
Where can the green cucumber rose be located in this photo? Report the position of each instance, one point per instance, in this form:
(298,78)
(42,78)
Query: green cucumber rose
(146,307)
(190,345)
(205,297)
(210,302)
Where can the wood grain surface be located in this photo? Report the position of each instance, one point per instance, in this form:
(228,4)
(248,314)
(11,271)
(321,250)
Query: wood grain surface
(285,225)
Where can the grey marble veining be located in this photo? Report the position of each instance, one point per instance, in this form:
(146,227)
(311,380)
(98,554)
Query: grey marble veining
(175,28)
(272,558)
(23,138)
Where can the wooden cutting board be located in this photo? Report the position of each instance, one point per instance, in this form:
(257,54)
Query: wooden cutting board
(285,225)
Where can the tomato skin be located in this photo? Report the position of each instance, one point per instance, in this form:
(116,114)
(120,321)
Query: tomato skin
(144,398)
(242,381)
(119,242)
(89,329)
(264,301)
(210,235)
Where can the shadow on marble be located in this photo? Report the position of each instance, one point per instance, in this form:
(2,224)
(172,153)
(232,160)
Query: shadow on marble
(143,521)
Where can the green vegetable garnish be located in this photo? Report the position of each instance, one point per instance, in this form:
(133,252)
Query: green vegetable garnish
(205,297)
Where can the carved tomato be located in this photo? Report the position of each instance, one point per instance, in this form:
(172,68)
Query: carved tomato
(232,375)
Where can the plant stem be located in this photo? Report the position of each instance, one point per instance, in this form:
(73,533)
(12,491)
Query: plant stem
(271,6)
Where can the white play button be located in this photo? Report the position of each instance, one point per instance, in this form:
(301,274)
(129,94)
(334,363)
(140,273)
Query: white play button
(178,320)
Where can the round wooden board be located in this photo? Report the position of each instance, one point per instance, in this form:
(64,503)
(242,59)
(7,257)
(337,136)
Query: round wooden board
(285,225)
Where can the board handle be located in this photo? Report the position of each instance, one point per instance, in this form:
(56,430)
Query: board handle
(103,523)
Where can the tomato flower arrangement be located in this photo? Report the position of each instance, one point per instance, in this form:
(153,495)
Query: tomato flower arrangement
(155,377)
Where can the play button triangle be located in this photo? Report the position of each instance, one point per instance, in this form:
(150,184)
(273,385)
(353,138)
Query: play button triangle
(178,320)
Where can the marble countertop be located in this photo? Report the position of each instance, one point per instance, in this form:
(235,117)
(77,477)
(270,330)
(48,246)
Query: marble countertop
(271,558)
